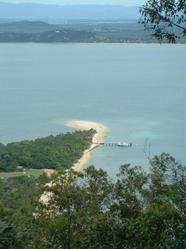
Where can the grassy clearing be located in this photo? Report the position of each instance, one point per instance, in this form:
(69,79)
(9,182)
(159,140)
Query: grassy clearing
(29,172)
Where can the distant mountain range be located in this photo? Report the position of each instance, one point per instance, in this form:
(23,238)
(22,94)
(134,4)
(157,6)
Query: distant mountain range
(43,11)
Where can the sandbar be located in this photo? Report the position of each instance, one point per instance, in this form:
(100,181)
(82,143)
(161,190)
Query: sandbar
(97,139)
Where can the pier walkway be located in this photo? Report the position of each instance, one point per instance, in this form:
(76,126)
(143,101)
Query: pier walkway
(116,144)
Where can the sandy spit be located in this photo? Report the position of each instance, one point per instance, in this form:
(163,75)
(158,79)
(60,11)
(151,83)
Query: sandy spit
(79,166)
(97,138)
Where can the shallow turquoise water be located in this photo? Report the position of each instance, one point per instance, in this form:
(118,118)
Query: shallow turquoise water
(138,91)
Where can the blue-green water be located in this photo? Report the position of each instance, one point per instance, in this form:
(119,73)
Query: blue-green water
(138,91)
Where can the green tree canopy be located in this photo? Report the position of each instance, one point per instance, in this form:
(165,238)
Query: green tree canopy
(167,18)
(52,152)
(88,210)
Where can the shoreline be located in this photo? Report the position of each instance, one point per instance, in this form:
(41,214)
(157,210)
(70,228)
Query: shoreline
(97,138)
(71,43)
(79,166)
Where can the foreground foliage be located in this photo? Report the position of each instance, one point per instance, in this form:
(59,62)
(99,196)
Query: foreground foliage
(51,152)
(138,210)
(167,18)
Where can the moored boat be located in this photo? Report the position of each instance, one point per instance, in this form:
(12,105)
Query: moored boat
(124,144)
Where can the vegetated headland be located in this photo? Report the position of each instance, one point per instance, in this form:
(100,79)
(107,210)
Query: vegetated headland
(52,153)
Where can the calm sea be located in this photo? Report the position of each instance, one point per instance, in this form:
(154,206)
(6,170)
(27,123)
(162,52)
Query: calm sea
(138,91)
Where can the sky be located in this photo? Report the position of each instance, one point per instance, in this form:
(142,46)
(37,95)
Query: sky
(69,2)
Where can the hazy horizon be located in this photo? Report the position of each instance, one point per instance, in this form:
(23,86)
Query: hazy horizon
(80,2)
(73,11)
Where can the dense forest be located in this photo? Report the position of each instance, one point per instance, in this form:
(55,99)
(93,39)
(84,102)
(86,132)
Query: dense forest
(88,210)
(52,152)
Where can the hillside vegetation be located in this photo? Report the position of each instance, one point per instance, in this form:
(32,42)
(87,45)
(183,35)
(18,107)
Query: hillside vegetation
(138,210)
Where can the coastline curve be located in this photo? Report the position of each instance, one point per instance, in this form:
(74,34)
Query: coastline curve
(97,139)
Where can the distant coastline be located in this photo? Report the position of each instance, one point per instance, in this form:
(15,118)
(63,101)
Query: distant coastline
(89,31)
(97,138)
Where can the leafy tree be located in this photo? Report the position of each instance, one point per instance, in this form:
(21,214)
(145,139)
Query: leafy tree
(167,18)
(129,191)
(88,211)
(75,208)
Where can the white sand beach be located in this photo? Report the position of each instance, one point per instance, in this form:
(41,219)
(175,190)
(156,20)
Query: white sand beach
(97,138)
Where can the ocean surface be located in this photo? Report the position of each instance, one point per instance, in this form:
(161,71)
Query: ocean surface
(138,91)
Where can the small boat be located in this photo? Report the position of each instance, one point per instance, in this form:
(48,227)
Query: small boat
(119,144)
